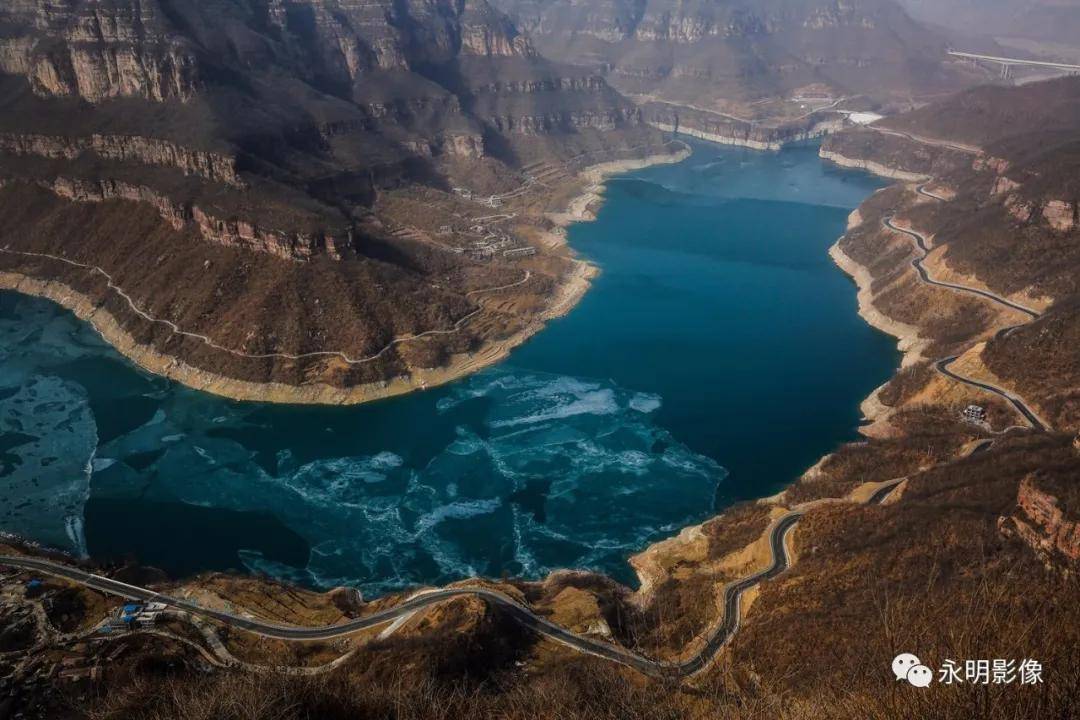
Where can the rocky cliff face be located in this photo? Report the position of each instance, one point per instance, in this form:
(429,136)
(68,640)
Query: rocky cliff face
(1032,180)
(700,51)
(1026,204)
(1043,524)
(1060,215)
(126,148)
(229,232)
(729,131)
(280,175)
(95,73)
(99,49)
(334,99)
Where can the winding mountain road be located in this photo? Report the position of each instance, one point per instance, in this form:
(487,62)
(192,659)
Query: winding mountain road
(932,142)
(921,189)
(177,330)
(917,263)
(942,365)
(715,640)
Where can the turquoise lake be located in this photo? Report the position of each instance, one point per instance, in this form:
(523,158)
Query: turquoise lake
(717,356)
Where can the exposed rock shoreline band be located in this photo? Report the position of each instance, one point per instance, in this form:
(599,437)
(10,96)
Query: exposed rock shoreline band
(574,285)
(571,288)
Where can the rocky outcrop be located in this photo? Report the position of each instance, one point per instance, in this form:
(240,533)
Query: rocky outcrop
(542,124)
(549,103)
(1019,209)
(355,39)
(729,131)
(700,52)
(126,148)
(587,83)
(1043,524)
(871,166)
(1060,215)
(96,73)
(656,21)
(15,55)
(289,245)
(1004,185)
(463,145)
(983,163)
(96,50)
(232,232)
(494,40)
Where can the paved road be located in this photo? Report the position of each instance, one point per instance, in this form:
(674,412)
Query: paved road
(209,342)
(933,142)
(917,263)
(883,492)
(717,638)
(921,189)
(519,612)
(1015,61)
(942,365)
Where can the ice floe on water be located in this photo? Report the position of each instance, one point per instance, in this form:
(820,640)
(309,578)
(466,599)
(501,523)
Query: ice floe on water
(539,472)
(47,440)
(645,402)
(507,472)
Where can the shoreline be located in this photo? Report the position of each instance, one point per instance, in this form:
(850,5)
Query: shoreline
(875,168)
(581,208)
(762,145)
(909,342)
(569,291)
(825,127)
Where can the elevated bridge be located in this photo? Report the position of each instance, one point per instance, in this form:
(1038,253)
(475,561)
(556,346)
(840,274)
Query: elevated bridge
(1007,64)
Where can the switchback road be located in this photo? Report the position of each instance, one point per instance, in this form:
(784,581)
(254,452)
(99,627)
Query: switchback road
(917,263)
(716,639)
(942,365)
(263,356)
(921,189)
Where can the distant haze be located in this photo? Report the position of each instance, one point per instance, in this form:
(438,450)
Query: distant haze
(1055,21)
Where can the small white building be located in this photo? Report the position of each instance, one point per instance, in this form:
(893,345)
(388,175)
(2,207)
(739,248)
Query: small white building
(975,414)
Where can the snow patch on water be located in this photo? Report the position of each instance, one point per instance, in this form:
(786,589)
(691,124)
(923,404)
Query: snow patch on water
(548,471)
(45,490)
(645,402)
(456,511)
(552,472)
(598,402)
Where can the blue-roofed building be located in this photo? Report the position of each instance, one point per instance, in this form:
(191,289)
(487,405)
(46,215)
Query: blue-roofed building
(34,587)
(129,613)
